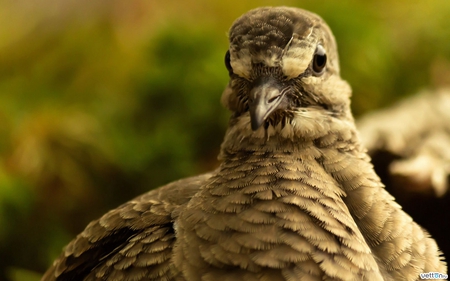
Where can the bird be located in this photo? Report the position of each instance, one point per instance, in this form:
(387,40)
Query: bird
(295,196)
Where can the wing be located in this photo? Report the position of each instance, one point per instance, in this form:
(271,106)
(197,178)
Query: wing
(131,242)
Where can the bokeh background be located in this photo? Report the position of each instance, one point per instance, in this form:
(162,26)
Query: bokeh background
(103,100)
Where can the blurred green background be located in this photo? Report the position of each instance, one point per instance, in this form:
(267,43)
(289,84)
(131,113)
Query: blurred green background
(103,100)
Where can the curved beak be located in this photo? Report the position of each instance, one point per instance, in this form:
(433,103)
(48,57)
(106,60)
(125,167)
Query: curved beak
(264,99)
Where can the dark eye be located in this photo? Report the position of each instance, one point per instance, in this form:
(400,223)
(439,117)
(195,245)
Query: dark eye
(319,60)
(228,63)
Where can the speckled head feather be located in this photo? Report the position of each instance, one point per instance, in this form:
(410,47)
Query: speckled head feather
(279,36)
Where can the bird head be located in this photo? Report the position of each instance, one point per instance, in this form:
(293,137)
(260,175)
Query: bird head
(284,71)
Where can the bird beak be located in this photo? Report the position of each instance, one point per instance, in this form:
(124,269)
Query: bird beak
(265,98)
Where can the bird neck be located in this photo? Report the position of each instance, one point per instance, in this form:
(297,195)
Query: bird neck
(309,129)
(331,145)
(337,153)
(310,166)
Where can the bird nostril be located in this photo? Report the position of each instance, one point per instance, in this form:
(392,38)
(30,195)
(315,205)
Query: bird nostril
(273,99)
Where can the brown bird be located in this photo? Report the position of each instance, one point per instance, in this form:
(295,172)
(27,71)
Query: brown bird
(295,197)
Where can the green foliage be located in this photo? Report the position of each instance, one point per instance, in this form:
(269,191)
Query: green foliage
(15,201)
(19,274)
(103,101)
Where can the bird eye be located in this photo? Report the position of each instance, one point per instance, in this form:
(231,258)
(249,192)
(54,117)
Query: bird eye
(228,62)
(319,60)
